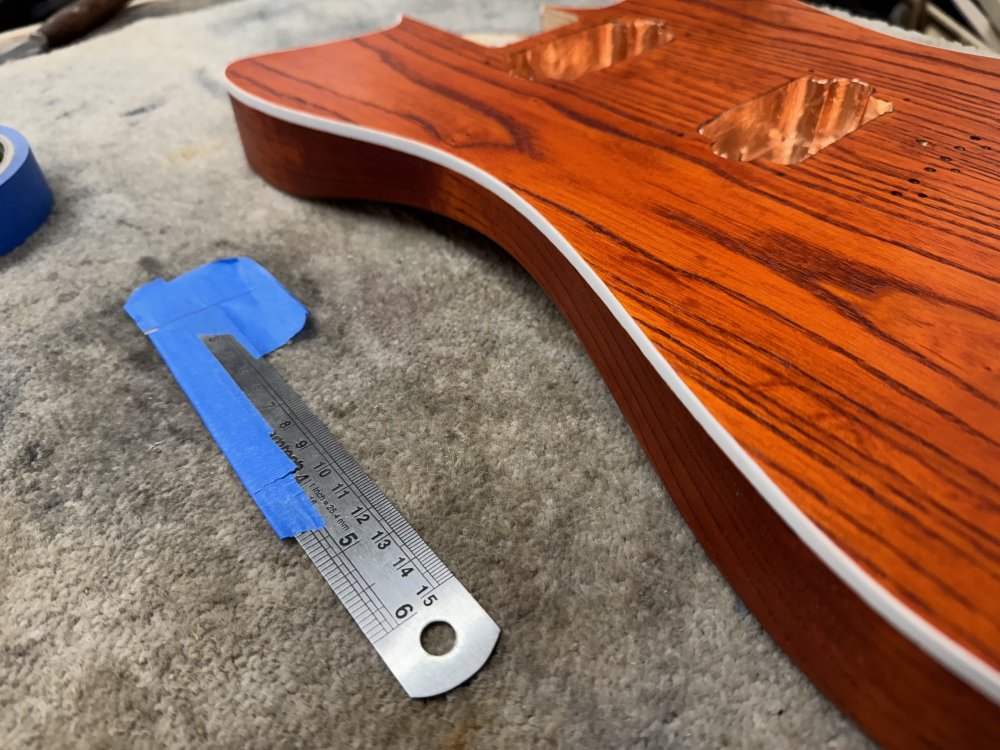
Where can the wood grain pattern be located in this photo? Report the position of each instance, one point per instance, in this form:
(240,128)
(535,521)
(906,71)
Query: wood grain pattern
(838,317)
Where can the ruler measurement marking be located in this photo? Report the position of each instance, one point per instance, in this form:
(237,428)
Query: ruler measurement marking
(326,568)
(293,414)
(378,605)
(383,587)
(284,400)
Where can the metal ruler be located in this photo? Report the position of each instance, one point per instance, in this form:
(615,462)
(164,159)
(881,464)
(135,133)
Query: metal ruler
(390,581)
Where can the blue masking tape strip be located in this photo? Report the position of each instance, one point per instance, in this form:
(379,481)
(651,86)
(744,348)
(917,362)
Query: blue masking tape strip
(236,296)
(25,198)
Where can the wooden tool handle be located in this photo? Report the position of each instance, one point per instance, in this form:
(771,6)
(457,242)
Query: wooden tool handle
(75,20)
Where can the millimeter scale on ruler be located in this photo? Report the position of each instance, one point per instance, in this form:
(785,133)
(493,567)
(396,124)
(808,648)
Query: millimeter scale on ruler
(390,581)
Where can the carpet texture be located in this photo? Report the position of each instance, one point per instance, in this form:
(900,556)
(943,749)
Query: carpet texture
(144,602)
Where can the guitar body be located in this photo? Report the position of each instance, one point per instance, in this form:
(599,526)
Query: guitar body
(777,236)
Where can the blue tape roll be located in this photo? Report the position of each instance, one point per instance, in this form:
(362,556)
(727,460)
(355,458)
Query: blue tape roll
(25,198)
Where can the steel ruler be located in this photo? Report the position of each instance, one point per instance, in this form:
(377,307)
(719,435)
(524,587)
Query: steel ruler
(390,581)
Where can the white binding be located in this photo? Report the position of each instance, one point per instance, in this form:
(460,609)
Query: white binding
(953,656)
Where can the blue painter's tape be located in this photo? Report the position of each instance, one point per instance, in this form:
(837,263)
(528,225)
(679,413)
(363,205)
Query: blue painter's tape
(236,296)
(25,198)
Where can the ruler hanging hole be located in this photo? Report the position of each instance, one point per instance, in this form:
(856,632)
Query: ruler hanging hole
(437,638)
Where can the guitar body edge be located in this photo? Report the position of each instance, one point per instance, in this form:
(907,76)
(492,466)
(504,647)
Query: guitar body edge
(886,683)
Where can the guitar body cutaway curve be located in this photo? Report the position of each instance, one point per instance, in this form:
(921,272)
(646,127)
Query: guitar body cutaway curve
(776,235)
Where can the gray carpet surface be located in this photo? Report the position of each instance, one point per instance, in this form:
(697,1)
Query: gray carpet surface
(144,602)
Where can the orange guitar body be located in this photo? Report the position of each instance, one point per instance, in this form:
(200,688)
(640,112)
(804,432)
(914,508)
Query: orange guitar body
(777,236)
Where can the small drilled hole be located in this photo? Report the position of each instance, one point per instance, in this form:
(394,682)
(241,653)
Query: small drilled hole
(437,638)
(975,138)
(922,142)
(929,169)
(945,158)
(960,148)
(914,180)
(955,169)
(896,193)
(921,195)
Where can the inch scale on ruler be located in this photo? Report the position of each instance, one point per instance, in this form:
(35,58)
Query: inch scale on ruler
(390,581)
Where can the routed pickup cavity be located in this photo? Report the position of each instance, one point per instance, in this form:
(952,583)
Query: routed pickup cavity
(595,48)
(792,122)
